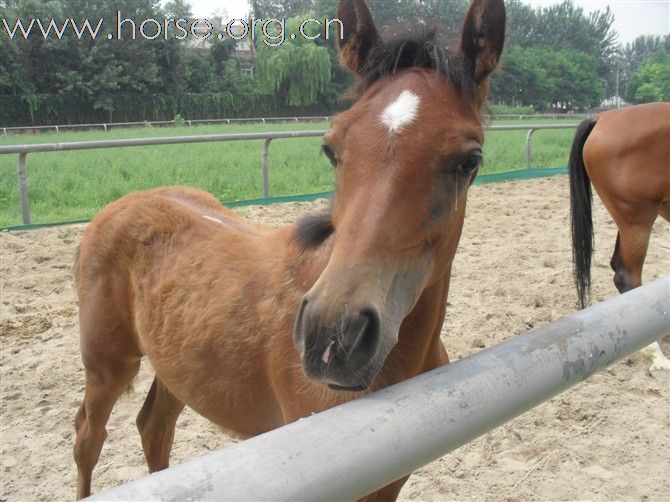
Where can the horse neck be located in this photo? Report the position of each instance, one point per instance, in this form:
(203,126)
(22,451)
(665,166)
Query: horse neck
(303,266)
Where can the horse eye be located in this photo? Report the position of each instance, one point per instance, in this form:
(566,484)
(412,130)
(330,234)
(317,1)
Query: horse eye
(328,152)
(470,165)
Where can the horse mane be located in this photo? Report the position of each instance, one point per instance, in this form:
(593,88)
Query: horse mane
(426,50)
(313,229)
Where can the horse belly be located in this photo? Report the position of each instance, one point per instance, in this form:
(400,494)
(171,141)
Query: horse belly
(234,397)
(205,346)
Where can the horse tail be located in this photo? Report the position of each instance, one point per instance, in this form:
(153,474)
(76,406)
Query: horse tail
(580,213)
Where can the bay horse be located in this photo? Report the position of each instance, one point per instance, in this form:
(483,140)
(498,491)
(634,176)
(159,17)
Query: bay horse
(625,154)
(254,327)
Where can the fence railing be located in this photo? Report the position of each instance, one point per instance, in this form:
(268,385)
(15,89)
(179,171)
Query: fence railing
(267,137)
(107,126)
(349,451)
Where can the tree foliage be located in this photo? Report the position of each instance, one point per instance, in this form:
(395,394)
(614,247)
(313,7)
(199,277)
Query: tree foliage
(651,80)
(541,77)
(297,70)
(555,54)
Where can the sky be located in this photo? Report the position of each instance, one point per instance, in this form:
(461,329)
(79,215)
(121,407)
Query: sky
(632,17)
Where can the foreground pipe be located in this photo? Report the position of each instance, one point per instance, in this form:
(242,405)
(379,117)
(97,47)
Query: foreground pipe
(353,449)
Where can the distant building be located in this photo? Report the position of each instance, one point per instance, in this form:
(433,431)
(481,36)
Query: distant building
(613,102)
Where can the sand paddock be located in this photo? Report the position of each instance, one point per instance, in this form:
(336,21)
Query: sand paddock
(605,439)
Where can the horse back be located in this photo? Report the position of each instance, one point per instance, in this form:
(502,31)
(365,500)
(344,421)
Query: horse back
(141,220)
(157,237)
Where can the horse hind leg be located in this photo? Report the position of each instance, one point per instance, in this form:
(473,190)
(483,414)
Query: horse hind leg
(104,385)
(629,253)
(156,422)
(621,277)
(631,245)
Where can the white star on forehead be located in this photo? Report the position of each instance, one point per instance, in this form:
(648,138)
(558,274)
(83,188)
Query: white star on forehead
(401,112)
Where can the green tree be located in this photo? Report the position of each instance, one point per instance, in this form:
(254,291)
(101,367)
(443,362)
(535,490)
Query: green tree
(296,71)
(540,77)
(521,20)
(280,9)
(651,81)
(522,81)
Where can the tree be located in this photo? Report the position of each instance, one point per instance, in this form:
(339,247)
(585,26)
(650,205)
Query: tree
(540,76)
(651,81)
(297,70)
(280,9)
(522,81)
(521,20)
(633,54)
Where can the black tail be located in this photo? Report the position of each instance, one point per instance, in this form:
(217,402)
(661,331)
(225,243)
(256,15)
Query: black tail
(580,209)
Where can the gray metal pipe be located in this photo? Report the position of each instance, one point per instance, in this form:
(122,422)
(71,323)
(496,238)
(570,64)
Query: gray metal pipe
(265,167)
(255,119)
(169,140)
(205,138)
(23,188)
(529,153)
(353,449)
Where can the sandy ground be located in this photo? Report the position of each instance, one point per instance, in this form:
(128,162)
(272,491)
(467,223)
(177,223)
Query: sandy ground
(603,440)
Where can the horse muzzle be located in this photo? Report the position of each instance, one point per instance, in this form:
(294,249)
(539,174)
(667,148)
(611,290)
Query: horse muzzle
(342,349)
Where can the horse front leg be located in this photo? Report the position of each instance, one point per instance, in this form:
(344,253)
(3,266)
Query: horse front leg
(156,423)
(387,494)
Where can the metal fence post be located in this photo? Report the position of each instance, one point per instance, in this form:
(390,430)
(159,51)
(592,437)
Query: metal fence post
(529,153)
(265,168)
(23,188)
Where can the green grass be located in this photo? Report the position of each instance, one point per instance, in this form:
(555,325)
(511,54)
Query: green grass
(74,185)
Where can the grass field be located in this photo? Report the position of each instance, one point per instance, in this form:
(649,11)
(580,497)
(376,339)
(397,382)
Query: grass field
(75,184)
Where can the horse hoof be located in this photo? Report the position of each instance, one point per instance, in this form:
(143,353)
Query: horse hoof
(660,369)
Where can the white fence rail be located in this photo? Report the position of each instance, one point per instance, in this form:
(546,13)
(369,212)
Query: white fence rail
(106,126)
(349,451)
(267,137)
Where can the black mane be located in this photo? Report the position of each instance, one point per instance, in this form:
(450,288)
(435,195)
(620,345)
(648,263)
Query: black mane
(313,230)
(424,50)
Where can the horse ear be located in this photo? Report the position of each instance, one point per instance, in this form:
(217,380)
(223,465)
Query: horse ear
(483,36)
(359,33)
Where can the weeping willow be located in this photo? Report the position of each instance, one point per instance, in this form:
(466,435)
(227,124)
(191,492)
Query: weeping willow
(298,68)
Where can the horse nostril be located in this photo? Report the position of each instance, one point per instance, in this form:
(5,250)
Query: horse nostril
(362,336)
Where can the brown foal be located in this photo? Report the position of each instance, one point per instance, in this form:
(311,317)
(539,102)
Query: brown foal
(212,300)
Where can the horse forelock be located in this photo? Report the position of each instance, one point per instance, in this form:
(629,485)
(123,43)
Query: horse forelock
(424,50)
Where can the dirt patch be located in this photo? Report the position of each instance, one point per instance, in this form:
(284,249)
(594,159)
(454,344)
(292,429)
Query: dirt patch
(602,440)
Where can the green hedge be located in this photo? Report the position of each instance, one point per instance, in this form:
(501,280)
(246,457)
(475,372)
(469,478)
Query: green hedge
(53,109)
